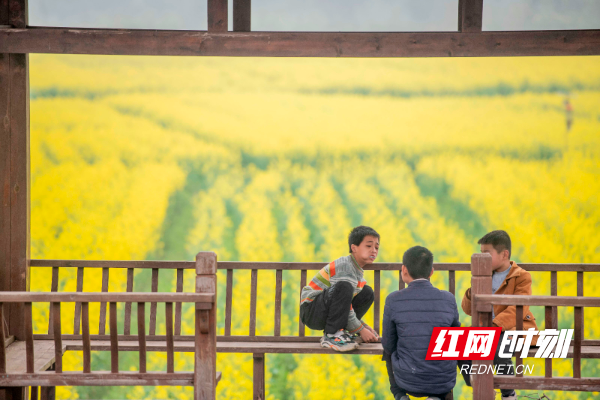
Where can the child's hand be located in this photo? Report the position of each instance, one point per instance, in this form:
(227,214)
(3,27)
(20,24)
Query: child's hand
(368,335)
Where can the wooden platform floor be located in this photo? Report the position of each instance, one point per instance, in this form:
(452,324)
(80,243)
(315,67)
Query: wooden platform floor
(43,350)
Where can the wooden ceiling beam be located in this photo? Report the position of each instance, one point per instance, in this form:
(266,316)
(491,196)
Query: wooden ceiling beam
(299,44)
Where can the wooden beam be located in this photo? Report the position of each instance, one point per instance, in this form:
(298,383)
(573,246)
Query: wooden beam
(15,297)
(217,16)
(470,15)
(483,301)
(241,15)
(299,44)
(123,378)
(291,266)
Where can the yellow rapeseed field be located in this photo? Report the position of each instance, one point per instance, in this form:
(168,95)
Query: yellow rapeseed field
(277,159)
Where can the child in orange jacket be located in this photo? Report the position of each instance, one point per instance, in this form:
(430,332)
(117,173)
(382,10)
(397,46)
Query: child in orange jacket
(507,278)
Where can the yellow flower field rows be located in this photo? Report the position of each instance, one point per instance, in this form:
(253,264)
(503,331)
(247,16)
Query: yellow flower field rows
(276,160)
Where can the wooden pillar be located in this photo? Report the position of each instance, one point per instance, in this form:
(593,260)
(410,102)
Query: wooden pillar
(470,14)
(205,365)
(14,168)
(259,392)
(481,283)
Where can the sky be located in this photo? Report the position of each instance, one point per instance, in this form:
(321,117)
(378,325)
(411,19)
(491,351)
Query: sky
(319,15)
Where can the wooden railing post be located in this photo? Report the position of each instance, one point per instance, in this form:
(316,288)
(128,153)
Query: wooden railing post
(205,365)
(481,283)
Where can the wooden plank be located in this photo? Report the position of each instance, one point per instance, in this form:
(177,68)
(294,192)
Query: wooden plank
(539,383)
(512,300)
(179,289)
(127,321)
(20,187)
(301,330)
(554,292)
(34,393)
(2,336)
(76,319)
(217,15)
(580,294)
(278,288)
(376,289)
(5,171)
(401,284)
(57,337)
(17,16)
(253,283)
(44,353)
(205,356)
(141,311)
(299,44)
(170,351)
(29,338)
(241,15)
(99,378)
(114,264)
(470,15)
(114,341)
(452,282)
(20,297)
(228,301)
(258,392)
(293,266)
(153,304)
(548,322)
(85,328)
(519,327)
(102,320)
(577,347)
(265,346)
(54,289)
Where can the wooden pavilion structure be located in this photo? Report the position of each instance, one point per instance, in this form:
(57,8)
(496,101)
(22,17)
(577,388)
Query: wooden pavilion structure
(18,39)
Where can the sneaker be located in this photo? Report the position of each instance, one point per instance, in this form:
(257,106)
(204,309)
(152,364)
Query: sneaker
(433,398)
(402,397)
(338,343)
(512,396)
(355,337)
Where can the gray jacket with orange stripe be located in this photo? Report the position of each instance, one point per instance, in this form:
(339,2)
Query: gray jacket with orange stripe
(344,269)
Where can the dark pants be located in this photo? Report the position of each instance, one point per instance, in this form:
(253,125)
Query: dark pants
(507,369)
(397,391)
(329,310)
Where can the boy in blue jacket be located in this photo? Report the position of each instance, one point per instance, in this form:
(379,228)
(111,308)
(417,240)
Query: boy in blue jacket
(408,321)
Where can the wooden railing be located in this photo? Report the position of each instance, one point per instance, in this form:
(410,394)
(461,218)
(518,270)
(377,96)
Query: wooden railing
(202,301)
(203,334)
(160,268)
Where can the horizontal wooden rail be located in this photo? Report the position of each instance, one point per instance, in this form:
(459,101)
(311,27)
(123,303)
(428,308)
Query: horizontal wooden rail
(293,266)
(484,302)
(113,264)
(97,378)
(299,44)
(540,383)
(20,297)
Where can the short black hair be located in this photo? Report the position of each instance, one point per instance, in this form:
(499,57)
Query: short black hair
(358,234)
(418,261)
(498,239)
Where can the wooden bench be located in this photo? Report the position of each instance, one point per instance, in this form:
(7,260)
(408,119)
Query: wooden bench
(25,363)
(252,343)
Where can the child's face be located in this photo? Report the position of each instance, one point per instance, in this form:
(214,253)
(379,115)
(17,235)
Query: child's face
(366,252)
(498,259)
